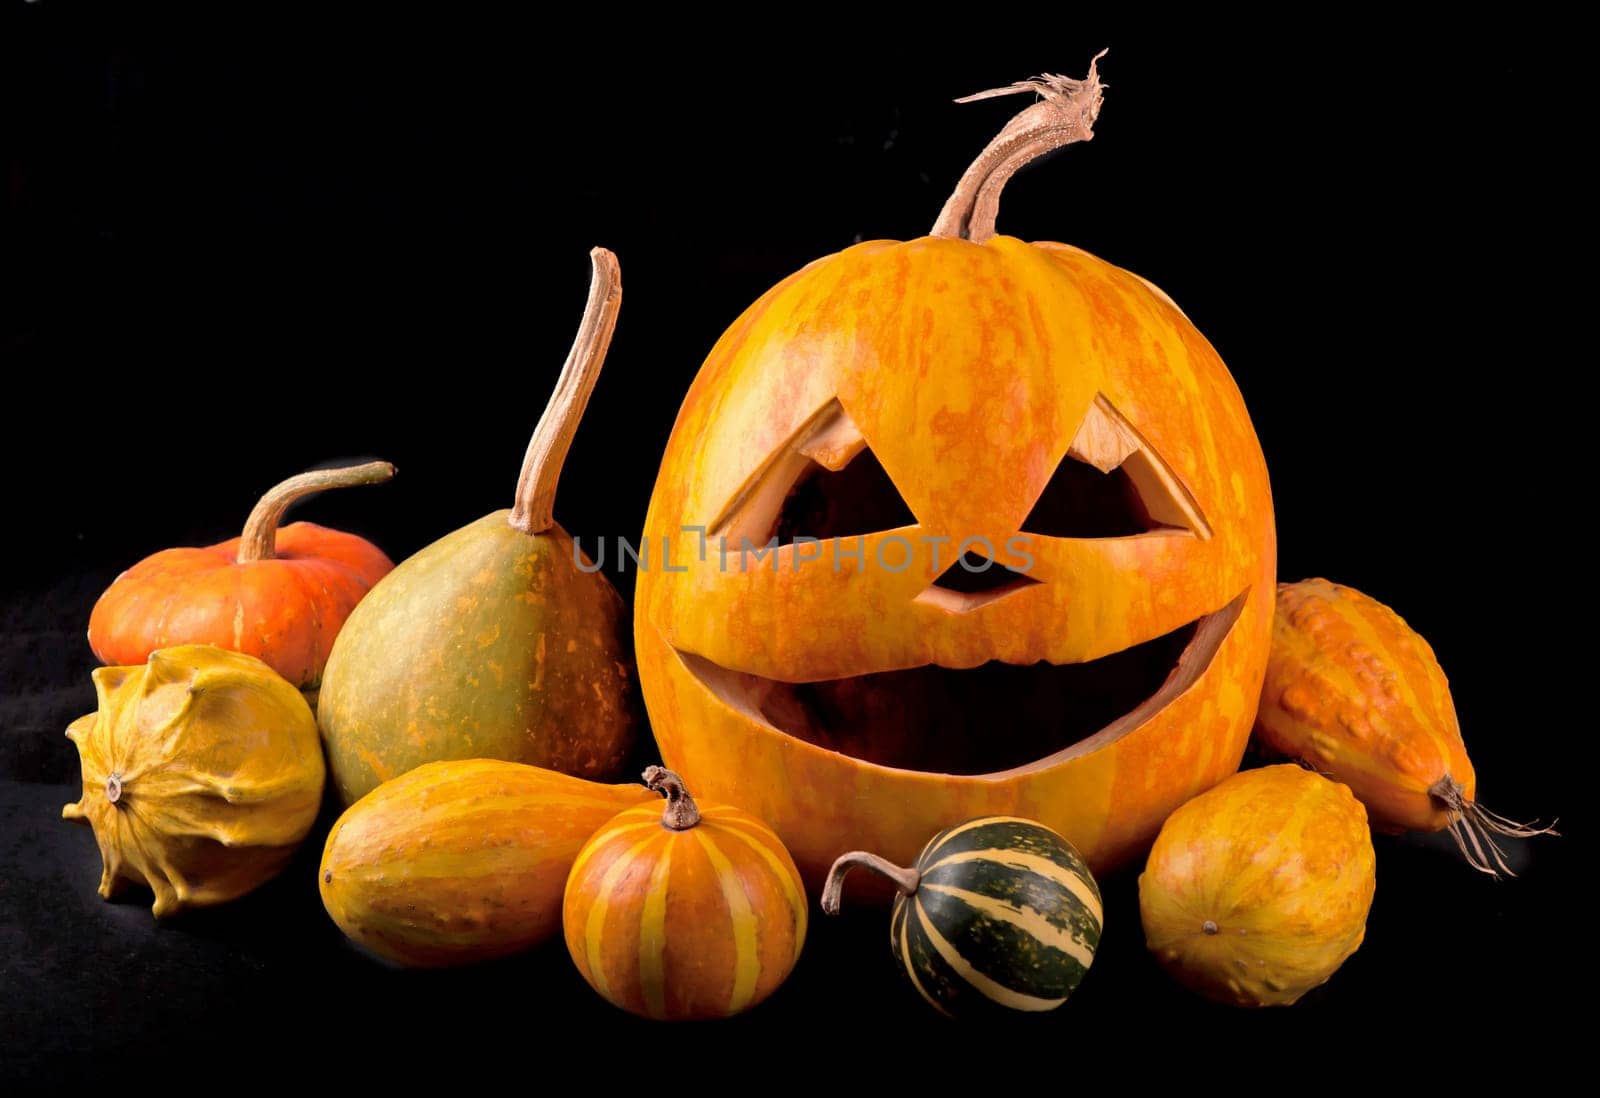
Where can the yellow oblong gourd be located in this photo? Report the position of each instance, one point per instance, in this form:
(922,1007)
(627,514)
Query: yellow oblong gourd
(202,772)
(1257,891)
(457,862)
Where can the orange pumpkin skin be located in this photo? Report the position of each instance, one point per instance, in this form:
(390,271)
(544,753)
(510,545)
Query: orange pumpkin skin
(1356,692)
(1259,890)
(968,368)
(683,925)
(457,862)
(284,611)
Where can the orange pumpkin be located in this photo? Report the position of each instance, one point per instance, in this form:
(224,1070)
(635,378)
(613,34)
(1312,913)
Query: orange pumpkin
(1357,693)
(1023,547)
(280,595)
(686,913)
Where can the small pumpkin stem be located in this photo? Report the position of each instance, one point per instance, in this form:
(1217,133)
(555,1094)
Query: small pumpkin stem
(260,538)
(906,879)
(1065,114)
(552,438)
(681,812)
(1473,827)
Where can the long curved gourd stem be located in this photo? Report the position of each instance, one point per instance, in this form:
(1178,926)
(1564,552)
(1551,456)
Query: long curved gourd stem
(260,538)
(552,438)
(1065,114)
(905,879)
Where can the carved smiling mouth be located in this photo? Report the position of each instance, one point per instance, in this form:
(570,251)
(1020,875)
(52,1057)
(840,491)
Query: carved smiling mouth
(983,720)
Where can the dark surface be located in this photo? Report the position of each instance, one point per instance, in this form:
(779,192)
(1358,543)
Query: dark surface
(226,264)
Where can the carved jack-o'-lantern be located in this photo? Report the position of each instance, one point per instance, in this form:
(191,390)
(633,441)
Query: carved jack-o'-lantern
(1041,580)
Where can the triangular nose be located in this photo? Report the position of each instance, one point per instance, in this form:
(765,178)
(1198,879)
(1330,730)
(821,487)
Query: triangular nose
(974,581)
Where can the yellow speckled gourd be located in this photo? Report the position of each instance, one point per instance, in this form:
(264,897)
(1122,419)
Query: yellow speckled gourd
(202,772)
(457,862)
(1257,891)
(1358,694)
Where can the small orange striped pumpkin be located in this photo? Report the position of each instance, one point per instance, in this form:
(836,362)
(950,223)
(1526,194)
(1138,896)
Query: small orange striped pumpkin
(686,913)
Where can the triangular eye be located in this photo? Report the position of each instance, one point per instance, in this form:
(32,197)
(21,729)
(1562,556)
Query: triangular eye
(825,483)
(857,499)
(1111,484)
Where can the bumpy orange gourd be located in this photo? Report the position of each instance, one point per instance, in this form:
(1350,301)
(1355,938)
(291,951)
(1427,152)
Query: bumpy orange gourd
(1257,891)
(202,772)
(458,862)
(278,594)
(1025,543)
(1357,693)
(688,913)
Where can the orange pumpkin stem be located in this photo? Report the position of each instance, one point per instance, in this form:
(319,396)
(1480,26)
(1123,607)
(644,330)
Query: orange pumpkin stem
(552,438)
(1065,114)
(260,538)
(681,812)
(904,878)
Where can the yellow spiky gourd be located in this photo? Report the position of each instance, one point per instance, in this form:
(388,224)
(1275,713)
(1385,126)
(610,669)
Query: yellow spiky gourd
(202,772)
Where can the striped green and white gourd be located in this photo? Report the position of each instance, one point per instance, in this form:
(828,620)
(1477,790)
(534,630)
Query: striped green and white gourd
(998,913)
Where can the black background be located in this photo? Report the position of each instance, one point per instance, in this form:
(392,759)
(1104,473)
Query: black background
(232,252)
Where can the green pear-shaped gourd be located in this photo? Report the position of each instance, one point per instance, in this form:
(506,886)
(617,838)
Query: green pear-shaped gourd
(493,642)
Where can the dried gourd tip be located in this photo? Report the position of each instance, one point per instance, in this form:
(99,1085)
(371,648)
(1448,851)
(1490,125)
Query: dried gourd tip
(1473,827)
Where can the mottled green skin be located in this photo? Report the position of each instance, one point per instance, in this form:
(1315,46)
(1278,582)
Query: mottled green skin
(490,643)
(1016,955)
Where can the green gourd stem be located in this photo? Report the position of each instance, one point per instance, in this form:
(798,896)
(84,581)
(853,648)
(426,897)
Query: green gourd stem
(681,812)
(260,538)
(905,879)
(534,511)
(1064,115)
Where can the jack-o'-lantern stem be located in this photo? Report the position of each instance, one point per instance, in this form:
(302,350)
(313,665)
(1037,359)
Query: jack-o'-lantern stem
(905,879)
(552,438)
(1066,113)
(681,812)
(260,538)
